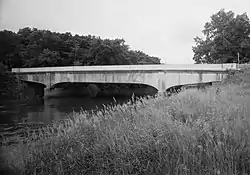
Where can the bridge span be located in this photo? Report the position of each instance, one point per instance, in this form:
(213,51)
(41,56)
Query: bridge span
(161,77)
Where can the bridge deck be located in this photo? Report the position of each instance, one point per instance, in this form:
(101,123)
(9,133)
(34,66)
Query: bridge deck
(159,67)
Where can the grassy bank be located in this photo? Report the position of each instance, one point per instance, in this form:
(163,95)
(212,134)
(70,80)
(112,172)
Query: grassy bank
(194,132)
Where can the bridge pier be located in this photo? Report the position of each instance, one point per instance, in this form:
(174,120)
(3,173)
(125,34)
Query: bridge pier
(47,92)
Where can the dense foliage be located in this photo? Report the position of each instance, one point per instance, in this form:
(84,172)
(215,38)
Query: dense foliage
(39,48)
(226,38)
(7,85)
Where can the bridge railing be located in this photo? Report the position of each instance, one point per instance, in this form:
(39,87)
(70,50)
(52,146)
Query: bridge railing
(243,66)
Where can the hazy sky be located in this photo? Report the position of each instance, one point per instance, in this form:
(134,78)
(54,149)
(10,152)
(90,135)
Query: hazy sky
(160,28)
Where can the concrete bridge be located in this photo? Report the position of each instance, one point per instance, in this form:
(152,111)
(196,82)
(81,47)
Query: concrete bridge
(161,77)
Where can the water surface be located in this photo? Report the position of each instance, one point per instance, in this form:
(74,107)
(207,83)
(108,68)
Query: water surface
(55,109)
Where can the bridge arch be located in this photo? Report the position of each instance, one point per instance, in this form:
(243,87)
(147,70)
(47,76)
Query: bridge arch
(102,89)
(103,77)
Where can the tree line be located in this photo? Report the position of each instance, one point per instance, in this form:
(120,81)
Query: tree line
(31,47)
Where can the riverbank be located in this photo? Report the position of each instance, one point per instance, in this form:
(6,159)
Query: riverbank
(193,132)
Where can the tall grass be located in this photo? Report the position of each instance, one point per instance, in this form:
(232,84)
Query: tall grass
(193,132)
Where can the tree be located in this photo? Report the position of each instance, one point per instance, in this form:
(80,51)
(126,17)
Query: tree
(225,37)
(46,59)
(138,57)
(108,52)
(9,50)
(8,83)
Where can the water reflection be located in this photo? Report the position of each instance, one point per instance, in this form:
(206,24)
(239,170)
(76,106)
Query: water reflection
(51,110)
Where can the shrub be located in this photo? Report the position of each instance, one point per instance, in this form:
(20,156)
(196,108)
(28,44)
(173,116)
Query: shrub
(8,85)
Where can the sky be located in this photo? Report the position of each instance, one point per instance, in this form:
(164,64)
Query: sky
(162,28)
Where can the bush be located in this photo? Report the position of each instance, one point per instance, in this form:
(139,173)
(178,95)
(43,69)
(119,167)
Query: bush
(239,77)
(8,85)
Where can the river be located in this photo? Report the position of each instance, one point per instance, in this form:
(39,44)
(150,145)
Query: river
(54,109)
